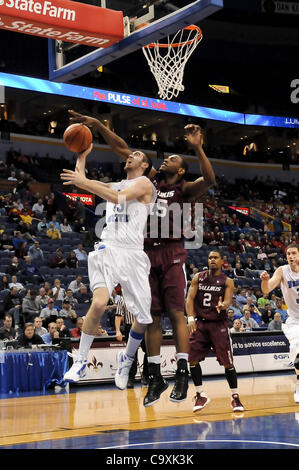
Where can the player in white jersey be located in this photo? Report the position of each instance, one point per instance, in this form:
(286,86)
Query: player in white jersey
(287,277)
(119,258)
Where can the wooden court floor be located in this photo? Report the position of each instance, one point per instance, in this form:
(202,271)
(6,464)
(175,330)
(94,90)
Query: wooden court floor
(104,417)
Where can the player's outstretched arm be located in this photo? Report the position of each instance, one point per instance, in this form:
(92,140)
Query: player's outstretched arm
(267,284)
(190,304)
(201,185)
(116,143)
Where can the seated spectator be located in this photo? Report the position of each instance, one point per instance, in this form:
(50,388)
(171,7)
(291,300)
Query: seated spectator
(80,253)
(256,314)
(30,306)
(7,331)
(42,298)
(69,296)
(67,311)
(54,222)
(49,313)
(4,282)
(38,328)
(6,243)
(236,308)
(275,324)
(42,225)
(279,309)
(53,232)
(58,260)
(80,226)
(48,288)
(65,226)
(237,326)
(248,322)
(15,267)
(58,290)
(35,252)
(30,272)
(13,306)
(273,301)
(38,208)
(76,332)
(250,293)
(79,209)
(52,334)
(230,317)
(249,264)
(76,284)
(14,283)
(17,239)
(267,314)
(238,271)
(241,298)
(101,332)
(72,261)
(261,255)
(263,301)
(83,296)
(28,338)
(63,331)
(14,215)
(229,271)
(22,250)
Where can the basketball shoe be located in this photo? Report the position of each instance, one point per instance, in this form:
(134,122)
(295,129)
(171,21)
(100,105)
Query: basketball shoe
(236,403)
(77,371)
(179,391)
(156,385)
(124,363)
(201,400)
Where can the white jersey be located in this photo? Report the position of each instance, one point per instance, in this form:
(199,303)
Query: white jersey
(126,222)
(290,291)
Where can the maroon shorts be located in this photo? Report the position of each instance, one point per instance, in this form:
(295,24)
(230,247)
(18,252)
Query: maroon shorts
(211,336)
(167,277)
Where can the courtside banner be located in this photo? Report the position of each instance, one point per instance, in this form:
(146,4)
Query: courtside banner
(63,20)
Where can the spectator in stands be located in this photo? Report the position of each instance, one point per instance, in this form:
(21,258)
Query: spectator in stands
(28,338)
(4,282)
(267,314)
(17,239)
(236,308)
(279,309)
(58,290)
(261,254)
(249,264)
(53,232)
(7,331)
(65,226)
(14,283)
(6,243)
(13,215)
(263,301)
(273,301)
(35,252)
(42,298)
(67,311)
(42,225)
(30,272)
(12,176)
(62,329)
(101,331)
(80,253)
(229,271)
(250,293)
(54,222)
(238,271)
(51,335)
(26,230)
(278,227)
(15,267)
(72,261)
(48,288)
(50,205)
(49,313)
(30,306)
(230,317)
(79,209)
(83,296)
(76,284)
(248,322)
(237,260)
(13,305)
(241,298)
(80,226)
(69,296)
(22,250)
(38,328)
(275,324)
(58,260)
(76,332)
(237,326)
(255,314)
(38,208)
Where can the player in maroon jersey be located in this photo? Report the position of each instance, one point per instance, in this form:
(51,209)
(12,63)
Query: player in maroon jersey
(208,327)
(167,255)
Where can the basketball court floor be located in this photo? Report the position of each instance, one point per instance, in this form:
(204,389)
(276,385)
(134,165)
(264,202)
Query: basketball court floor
(102,417)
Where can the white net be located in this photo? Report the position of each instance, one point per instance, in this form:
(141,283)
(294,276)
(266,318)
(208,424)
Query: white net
(167,61)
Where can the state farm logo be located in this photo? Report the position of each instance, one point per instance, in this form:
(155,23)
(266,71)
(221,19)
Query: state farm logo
(44,9)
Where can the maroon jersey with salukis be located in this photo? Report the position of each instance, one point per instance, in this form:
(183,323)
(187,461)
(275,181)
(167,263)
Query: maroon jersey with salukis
(210,288)
(165,224)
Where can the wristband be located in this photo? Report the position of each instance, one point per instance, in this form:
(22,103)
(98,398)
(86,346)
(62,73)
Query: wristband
(190,319)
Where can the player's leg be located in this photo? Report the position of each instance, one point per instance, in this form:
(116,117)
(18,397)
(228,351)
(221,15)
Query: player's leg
(296,365)
(133,368)
(291,331)
(201,399)
(89,330)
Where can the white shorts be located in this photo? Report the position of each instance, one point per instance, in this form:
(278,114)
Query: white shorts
(110,265)
(291,331)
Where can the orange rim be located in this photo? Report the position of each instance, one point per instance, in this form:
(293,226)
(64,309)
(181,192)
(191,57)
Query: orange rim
(192,27)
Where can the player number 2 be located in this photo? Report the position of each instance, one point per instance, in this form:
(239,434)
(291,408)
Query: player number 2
(207,299)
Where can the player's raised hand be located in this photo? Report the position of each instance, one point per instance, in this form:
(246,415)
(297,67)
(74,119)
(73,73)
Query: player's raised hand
(75,178)
(75,117)
(264,276)
(220,305)
(85,152)
(193,134)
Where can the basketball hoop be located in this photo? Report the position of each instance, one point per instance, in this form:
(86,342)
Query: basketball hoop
(167,61)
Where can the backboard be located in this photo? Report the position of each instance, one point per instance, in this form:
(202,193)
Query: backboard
(144,23)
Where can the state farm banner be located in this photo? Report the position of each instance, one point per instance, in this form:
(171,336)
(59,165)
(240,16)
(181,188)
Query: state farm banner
(87,199)
(63,20)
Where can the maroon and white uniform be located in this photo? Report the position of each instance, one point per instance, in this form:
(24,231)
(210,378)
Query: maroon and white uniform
(212,330)
(166,253)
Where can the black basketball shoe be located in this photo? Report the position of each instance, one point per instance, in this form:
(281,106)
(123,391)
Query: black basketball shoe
(181,384)
(156,385)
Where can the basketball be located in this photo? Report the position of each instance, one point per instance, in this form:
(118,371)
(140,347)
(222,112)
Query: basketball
(77,137)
